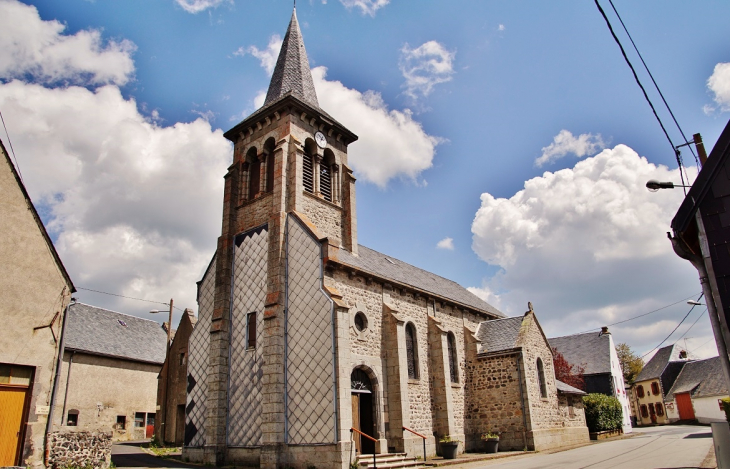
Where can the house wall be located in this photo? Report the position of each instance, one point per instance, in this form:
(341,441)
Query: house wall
(102,388)
(33,291)
(649,398)
(618,387)
(707,409)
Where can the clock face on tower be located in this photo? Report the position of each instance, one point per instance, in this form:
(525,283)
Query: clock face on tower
(320,139)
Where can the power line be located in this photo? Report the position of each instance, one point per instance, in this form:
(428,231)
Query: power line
(693,325)
(643,90)
(130,297)
(11,148)
(670,334)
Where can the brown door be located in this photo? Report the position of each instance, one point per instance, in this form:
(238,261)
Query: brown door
(12,401)
(356,421)
(684,405)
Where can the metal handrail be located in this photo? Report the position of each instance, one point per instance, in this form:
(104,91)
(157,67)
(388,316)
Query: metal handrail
(375,461)
(424,441)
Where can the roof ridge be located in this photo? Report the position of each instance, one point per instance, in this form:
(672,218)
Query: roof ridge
(415,267)
(116,312)
(575,335)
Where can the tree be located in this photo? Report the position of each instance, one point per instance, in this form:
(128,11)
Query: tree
(568,373)
(631,364)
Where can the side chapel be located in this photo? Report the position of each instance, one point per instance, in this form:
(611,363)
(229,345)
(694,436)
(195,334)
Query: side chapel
(303,334)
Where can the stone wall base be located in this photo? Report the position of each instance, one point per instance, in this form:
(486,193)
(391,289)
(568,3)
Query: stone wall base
(541,440)
(80,449)
(195,455)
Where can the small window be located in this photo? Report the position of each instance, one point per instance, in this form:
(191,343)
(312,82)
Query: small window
(644,412)
(182,359)
(453,362)
(73,418)
(139,419)
(640,391)
(361,322)
(655,388)
(541,379)
(411,351)
(251,330)
(659,409)
(121,422)
(15,375)
(571,409)
(151,419)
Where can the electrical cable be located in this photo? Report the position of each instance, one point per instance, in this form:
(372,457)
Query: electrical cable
(646,67)
(129,297)
(11,148)
(690,327)
(670,334)
(643,90)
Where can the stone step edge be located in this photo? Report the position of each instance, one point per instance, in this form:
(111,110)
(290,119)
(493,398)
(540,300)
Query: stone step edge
(365,462)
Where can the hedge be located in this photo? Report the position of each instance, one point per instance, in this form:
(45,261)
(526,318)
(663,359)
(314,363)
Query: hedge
(726,407)
(602,412)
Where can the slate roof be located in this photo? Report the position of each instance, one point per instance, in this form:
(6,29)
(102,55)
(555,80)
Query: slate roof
(292,71)
(592,351)
(499,335)
(566,388)
(703,378)
(390,268)
(102,332)
(658,363)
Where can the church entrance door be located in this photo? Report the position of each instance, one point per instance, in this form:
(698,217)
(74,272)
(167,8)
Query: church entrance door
(362,411)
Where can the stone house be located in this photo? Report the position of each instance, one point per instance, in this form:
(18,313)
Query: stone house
(654,381)
(696,393)
(304,337)
(596,353)
(172,385)
(35,292)
(108,379)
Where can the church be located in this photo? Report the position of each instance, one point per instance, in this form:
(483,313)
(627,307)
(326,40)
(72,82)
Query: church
(310,348)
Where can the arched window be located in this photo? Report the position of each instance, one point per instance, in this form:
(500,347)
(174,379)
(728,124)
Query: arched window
(453,363)
(254,173)
(411,351)
(269,151)
(541,379)
(655,388)
(308,166)
(326,179)
(640,391)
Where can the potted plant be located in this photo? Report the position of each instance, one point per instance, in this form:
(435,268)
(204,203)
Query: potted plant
(449,447)
(491,440)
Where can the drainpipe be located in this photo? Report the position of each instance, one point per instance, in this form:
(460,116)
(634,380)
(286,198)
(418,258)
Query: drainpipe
(68,379)
(59,362)
(522,401)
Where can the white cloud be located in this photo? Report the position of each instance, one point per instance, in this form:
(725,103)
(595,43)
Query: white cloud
(31,47)
(196,6)
(446,243)
(391,143)
(367,7)
(588,246)
(565,143)
(719,84)
(501,27)
(424,67)
(267,56)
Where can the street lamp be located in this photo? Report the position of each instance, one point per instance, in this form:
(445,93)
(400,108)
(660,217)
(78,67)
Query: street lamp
(169,324)
(695,303)
(653,185)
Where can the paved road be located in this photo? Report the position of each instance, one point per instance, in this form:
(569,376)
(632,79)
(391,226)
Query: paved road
(681,446)
(130,454)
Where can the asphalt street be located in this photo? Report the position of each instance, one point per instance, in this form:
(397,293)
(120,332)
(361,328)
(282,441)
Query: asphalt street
(130,454)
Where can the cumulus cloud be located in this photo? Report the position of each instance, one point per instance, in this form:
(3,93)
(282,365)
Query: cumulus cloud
(719,85)
(424,67)
(196,6)
(565,143)
(446,243)
(266,56)
(367,7)
(588,246)
(392,144)
(37,49)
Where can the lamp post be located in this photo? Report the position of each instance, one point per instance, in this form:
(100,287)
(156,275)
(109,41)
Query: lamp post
(169,323)
(163,407)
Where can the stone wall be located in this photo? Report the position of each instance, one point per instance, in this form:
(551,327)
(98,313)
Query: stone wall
(326,216)
(80,449)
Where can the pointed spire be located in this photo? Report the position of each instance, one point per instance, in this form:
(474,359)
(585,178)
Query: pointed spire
(292,71)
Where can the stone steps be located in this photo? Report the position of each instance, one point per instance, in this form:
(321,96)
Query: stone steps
(387,461)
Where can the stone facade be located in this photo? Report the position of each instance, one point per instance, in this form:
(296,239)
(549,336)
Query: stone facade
(80,449)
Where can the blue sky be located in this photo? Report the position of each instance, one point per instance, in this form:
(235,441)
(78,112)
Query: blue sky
(503,145)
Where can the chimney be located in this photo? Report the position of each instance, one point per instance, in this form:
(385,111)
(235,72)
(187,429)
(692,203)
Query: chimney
(604,330)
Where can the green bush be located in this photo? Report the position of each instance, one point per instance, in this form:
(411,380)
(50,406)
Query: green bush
(602,412)
(726,407)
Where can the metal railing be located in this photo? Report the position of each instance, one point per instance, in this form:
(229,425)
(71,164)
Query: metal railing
(424,441)
(375,461)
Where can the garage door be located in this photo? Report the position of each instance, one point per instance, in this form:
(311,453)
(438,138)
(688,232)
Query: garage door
(684,405)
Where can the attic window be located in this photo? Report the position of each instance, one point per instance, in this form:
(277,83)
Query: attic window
(390,261)
(122,323)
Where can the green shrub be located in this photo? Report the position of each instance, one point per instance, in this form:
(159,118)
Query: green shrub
(602,412)
(726,407)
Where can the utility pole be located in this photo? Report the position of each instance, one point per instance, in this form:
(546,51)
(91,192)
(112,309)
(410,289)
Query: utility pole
(169,328)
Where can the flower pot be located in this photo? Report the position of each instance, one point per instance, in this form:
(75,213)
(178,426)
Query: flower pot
(491,444)
(449,450)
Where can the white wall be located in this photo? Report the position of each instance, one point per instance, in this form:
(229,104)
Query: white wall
(618,381)
(708,410)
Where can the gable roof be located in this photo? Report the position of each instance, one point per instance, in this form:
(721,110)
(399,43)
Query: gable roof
(592,351)
(292,73)
(102,332)
(499,335)
(567,389)
(702,378)
(37,218)
(659,362)
(390,268)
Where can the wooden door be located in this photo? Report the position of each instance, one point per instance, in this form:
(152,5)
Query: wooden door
(684,405)
(356,420)
(12,401)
